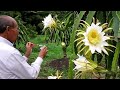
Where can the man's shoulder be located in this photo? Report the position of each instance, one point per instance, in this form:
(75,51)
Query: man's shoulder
(7,48)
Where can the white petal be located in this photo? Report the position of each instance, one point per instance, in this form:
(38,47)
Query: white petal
(92,48)
(78,55)
(82,59)
(104,51)
(98,49)
(88,29)
(52,77)
(102,33)
(93,24)
(105,44)
(85,34)
(86,41)
(48,21)
(105,38)
(76,62)
(98,24)
(99,29)
(77,67)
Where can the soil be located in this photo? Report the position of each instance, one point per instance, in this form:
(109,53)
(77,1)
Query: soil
(60,64)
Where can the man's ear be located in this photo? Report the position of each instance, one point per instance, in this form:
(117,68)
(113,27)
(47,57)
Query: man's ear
(7,28)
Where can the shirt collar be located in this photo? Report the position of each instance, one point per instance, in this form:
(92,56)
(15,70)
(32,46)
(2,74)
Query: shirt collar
(5,41)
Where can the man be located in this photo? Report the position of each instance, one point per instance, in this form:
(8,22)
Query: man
(12,64)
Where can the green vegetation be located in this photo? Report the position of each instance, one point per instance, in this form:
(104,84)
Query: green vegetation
(31,29)
(54,52)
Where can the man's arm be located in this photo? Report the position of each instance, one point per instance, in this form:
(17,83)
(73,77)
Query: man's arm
(29,47)
(19,66)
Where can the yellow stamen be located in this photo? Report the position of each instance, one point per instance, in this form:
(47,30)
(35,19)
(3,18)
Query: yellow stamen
(94,37)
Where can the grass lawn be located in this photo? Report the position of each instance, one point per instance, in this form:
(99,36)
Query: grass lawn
(54,52)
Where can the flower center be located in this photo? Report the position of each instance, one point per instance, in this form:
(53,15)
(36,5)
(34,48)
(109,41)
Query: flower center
(94,37)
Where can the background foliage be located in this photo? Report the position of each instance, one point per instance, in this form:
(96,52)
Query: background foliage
(30,26)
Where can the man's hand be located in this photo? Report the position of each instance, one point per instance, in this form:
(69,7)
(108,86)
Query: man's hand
(43,52)
(29,47)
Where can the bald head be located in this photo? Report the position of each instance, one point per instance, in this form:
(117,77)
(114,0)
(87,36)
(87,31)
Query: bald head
(6,21)
(8,28)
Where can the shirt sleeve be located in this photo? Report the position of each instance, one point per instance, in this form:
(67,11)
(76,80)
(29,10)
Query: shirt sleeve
(25,58)
(18,65)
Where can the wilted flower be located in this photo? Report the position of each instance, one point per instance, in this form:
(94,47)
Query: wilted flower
(49,22)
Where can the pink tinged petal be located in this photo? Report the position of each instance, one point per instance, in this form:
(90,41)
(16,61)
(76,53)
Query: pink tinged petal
(104,50)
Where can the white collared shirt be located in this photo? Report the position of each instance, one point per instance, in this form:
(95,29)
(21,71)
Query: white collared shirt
(13,65)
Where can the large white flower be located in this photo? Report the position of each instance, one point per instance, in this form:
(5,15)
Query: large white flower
(49,22)
(95,39)
(82,64)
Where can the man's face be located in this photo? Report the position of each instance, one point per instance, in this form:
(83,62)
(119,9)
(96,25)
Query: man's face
(13,33)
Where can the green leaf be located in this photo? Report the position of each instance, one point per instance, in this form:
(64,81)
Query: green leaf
(115,24)
(68,20)
(118,14)
(90,17)
(93,64)
(70,70)
(75,26)
(101,69)
(119,33)
(115,58)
